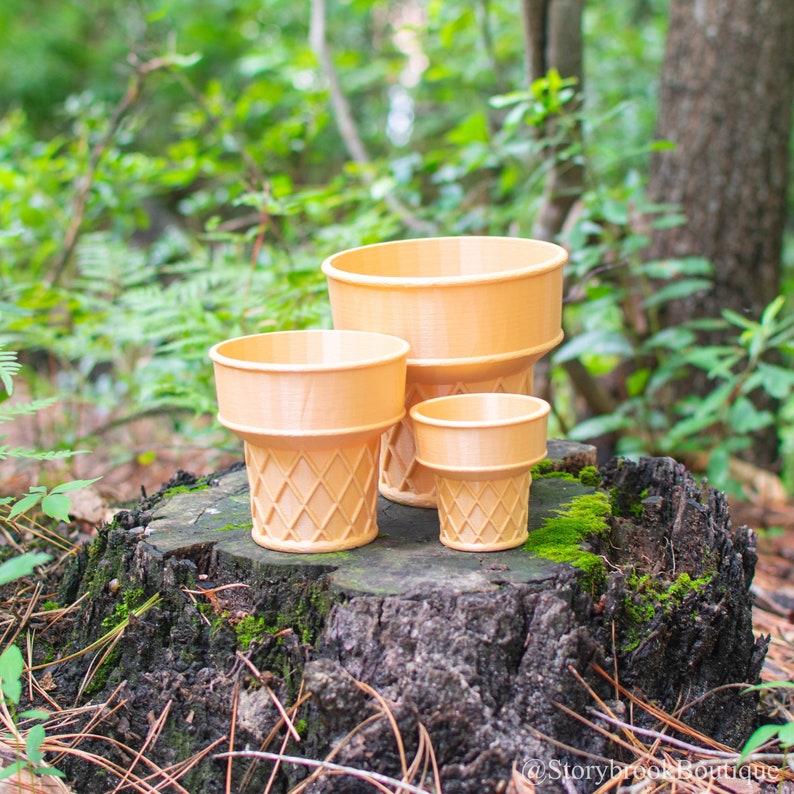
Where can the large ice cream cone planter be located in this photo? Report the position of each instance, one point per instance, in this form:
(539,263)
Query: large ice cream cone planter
(480,448)
(311,407)
(478,313)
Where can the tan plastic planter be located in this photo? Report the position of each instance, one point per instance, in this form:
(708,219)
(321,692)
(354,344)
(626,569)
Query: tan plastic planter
(311,407)
(480,448)
(478,312)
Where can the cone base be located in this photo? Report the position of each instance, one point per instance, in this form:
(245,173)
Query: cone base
(313,501)
(483,515)
(263,538)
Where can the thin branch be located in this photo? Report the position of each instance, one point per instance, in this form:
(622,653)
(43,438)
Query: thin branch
(77,210)
(348,129)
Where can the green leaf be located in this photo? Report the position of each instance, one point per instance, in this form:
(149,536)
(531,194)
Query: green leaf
(675,338)
(637,381)
(34,714)
(25,503)
(33,741)
(7,413)
(715,359)
(11,666)
(785,735)
(473,129)
(599,426)
(717,468)
(744,417)
(12,769)
(769,685)
(676,290)
(183,61)
(758,738)
(772,310)
(17,567)
(734,318)
(9,366)
(778,382)
(505,100)
(668,269)
(594,343)
(691,426)
(49,771)
(74,485)
(56,506)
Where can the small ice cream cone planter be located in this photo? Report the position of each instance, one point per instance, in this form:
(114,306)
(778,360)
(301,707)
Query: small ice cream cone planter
(311,407)
(478,313)
(480,448)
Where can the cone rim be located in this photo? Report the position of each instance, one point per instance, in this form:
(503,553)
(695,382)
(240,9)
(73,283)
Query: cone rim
(401,351)
(557,259)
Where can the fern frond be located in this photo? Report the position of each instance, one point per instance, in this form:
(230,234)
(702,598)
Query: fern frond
(7,451)
(9,367)
(9,412)
(107,266)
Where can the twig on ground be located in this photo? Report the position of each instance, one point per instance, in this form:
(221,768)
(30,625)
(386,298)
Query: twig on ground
(373,778)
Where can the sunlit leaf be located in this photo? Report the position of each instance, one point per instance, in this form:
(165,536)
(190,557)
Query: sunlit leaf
(676,290)
(599,426)
(33,741)
(73,485)
(56,506)
(12,665)
(594,343)
(23,565)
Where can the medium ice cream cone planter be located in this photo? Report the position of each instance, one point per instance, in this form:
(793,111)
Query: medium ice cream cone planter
(480,448)
(311,407)
(478,312)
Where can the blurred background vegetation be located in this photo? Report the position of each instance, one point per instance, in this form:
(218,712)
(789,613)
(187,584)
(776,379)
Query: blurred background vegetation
(173,173)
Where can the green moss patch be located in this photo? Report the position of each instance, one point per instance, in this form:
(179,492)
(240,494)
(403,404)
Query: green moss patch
(590,476)
(561,536)
(544,470)
(646,597)
(177,489)
(247,525)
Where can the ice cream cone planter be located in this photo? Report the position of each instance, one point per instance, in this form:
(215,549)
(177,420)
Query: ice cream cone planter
(311,407)
(480,448)
(478,312)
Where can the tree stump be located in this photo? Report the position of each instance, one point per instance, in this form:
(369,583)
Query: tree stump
(486,655)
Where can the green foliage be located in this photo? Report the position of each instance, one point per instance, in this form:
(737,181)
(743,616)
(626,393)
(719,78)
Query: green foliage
(22,565)
(783,734)
(613,320)
(52,502)
(12,667)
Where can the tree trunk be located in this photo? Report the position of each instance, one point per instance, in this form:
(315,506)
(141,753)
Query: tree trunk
(726,103)
(553,40)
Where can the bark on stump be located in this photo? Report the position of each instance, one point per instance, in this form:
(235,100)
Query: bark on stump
(477,648)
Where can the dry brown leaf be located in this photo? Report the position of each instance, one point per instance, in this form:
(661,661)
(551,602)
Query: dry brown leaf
(762,487)
(519,784)
(88,505)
